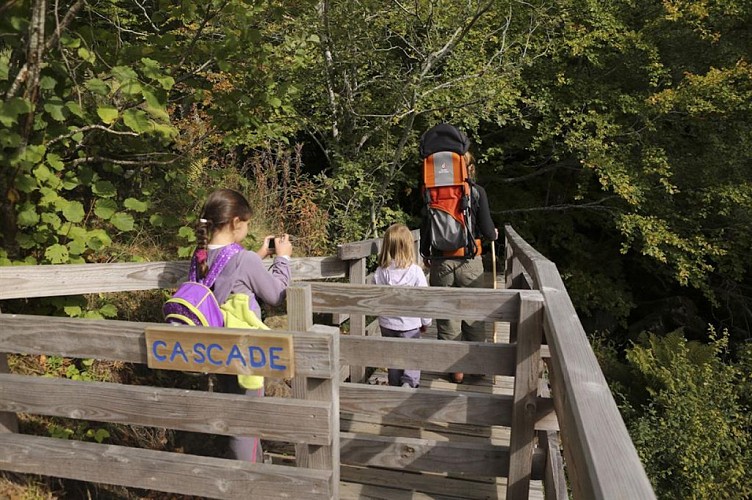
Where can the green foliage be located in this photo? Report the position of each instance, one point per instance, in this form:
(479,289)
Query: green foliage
(384,73)
(691,425)
(78,432)
(635,135)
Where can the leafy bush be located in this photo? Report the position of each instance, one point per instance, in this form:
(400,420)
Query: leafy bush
(691,424)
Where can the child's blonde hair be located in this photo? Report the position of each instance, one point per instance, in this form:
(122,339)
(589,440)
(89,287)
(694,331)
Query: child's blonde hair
(397,247)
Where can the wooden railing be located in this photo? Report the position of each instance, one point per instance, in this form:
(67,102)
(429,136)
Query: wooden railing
(601,460)
(311,420)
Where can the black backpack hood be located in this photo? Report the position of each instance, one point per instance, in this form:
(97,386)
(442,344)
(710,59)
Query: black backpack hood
(443,137)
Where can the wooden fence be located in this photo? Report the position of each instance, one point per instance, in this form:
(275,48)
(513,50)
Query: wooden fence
(367,454)
(310,419)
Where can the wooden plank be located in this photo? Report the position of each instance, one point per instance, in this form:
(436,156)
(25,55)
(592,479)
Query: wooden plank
(497,384)
(429,456)
(316,268)
(366,248)
(357,275)
(435,355)
(526,380)
(554,480)
(435,485)
(360,423)
(422,405)
(359,249)
(216,350)
(281,419)
(601,458)
(75,279)
(355,491)
(125,341)
(159,470)
(483,304)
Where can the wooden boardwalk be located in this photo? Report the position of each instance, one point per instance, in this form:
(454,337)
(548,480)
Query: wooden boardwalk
(363,483)
(441,440)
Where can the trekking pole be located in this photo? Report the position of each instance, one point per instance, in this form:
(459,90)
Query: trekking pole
(493,276)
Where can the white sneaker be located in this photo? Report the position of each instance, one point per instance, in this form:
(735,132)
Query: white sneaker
(406,385)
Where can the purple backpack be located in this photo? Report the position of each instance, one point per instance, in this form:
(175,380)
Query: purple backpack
(194,302)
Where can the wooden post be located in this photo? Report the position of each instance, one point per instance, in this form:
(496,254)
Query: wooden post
(509,283)
(8,420)
(357,273)
(300,318)
(522,439)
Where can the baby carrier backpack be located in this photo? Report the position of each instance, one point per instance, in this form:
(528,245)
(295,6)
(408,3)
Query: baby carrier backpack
(194,302)
(448,193)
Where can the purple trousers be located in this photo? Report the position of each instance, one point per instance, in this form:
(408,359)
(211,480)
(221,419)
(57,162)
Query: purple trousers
(248,448)
(397,376)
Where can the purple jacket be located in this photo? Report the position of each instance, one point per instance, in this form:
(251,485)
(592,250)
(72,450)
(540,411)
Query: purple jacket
(247,273)
(409,276)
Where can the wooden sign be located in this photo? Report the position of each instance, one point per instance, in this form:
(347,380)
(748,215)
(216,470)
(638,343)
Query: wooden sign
(258,352)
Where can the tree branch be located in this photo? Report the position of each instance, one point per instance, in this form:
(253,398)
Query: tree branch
(115,161)
(436,57)
(593,205)
(536,173)
(86,129)
(23,74)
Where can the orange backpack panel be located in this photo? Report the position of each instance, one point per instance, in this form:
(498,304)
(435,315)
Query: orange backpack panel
(447,194)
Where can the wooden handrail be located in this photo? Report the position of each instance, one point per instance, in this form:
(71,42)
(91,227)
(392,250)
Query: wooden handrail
(17,282)
(602,461)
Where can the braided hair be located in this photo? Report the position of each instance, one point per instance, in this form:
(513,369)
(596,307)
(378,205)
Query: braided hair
(221,207)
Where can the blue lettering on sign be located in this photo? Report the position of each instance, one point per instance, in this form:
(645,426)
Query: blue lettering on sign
(199,352)
(252,350)
(154,349)
(177,350)
(215,354)
(235,354)
(273,358)
(209,354)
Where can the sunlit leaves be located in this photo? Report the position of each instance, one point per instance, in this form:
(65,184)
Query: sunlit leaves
(108,114)
(122,221)
(152,69)
(73,211)
(86,55)
(97,86)
(187,233)
(27,215)
(135,205)
(56,254)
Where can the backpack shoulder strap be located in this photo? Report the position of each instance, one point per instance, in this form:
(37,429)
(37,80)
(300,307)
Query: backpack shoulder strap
(225,254)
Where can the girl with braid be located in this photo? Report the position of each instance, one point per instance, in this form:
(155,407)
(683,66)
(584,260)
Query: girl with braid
(242,283)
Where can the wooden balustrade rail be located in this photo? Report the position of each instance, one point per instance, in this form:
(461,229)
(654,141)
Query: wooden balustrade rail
(602,462)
